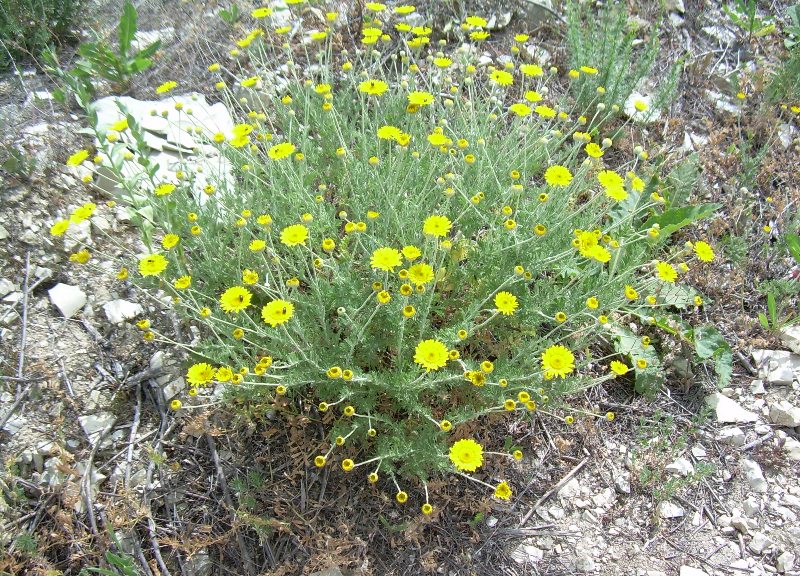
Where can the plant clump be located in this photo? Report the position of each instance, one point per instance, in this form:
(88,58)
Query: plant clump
(413,245)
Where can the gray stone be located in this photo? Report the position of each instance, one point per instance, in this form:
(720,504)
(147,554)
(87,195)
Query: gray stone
(777,366)
(755,478)
(790,336)
(535,13)
(759,543)
(783,413)
(200,564)
(118,311)
(584,562)
(68,299)
(689,571)
(6,287)
(729,411)
(680,467)
(527,554)
(95,424)
(332,571)
(757,387)
(3,232)
(751,507)
(622,482)
(786,135)
(570,490)
(667,509)
(785,562)
(792,449)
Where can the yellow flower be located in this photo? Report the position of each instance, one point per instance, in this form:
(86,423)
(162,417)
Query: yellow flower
(520,109)
(164,189)
(235,299)
(437,226)
(704,252)
(618,367)
(59,228)
(420,274)
(122,274)
(261,12)
(200,374)
(277,312)
(257,245)
(182,283)
(152,265)
(506,303)
(431,354)
(666,272)
(594,150)
(281,151)
(557,361)
(531,70)
(78,158)
(503,491)
(420,99)
(557,175)
(386,259)
(545,111)
(466,455)
(383,297)
(592,303)
(631,293)
(166,87)
(501,78)
(411,252)
(373,87)
(294,235)
(249,276)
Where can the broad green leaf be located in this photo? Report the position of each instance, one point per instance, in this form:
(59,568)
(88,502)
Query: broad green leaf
(676,218)
(681,181)
(149,51)
(709,344)
(762,318)
(772,308)
(793,244)
(707,341)
(678,295)
(127,28)
(723,367)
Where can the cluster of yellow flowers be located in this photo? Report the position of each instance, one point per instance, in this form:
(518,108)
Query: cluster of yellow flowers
(454,249)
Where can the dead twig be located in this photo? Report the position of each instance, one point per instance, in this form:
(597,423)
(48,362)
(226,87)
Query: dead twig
(137,413)
(758,441)
(249,566)
(553,490)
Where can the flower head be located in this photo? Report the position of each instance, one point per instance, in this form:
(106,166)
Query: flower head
(704,252)
(386,259)
(281,151)
(437,226)
(557,175)
(420,274)
(431,354)
(619,368)
(557,361)
(466,455)
(294,235)
(152,265)
(503,491)
(235,299)
(506,303)
(200,374)
(277,312)
(666,272)
(373,87)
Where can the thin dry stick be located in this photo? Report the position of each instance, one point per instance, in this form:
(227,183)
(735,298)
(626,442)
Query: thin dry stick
(553,490)
(24,333)
(249,567)
(137,413)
